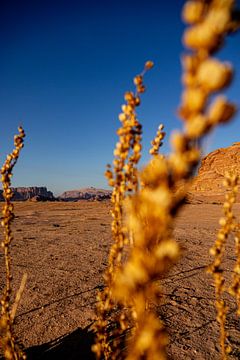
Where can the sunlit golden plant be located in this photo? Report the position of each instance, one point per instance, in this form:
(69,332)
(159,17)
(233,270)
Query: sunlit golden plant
(8,342)
(235,287)
(123,178)
(157,141)
(228,225)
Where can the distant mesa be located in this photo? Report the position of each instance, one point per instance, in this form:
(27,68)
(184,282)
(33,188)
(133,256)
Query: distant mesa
(86,194)
(33,193)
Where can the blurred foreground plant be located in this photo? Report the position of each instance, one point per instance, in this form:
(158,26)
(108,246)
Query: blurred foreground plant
(151,210)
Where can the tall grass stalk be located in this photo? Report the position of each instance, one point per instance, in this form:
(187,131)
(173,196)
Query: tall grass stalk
(8,342)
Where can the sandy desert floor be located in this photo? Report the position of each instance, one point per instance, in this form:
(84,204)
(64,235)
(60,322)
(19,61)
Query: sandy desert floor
(63,247)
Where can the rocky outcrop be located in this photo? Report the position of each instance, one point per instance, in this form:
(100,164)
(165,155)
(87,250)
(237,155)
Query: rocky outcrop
(85,194)
(209,179)
(35,193)
(28,193)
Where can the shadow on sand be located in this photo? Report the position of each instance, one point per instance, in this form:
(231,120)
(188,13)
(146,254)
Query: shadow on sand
(74,346)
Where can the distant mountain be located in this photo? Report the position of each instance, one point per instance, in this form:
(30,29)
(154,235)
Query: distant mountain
(35,193)
(30,193)
(85,194)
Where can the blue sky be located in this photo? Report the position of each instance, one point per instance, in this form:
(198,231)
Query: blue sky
(64,68)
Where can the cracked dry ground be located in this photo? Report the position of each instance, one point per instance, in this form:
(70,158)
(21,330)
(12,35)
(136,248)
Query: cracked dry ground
(63,247)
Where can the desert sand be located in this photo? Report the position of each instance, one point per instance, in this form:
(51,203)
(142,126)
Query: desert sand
(63,248)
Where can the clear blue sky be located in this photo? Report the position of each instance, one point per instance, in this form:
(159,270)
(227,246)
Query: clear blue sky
(64,67)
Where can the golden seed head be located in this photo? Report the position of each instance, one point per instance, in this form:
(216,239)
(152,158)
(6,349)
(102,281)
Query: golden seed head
(137,100)
(141,89)
(194,99)
(201,37)
(129,96)
(127,109)
(214,75)
(193,11)
(148,65)
(196,126)
(137,148)
(122,117)
(138,80)
(221,110)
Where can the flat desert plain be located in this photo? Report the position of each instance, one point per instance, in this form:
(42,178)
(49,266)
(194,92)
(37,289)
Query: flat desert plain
(63,247)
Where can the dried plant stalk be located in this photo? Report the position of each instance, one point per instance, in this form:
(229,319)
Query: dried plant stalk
(157,141)
(235,287)
(123,179)
(227,224)
(11,349)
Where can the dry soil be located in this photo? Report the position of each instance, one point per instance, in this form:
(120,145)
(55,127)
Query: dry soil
(63,248)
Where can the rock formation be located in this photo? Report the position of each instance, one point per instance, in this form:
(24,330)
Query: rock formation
(35,193)
(85,194)
(28,193)
(209,179)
